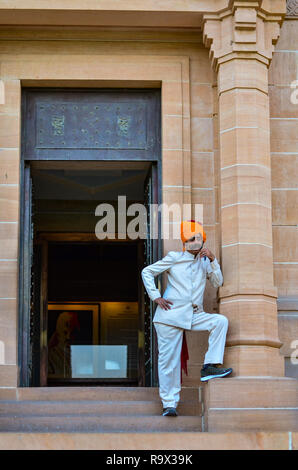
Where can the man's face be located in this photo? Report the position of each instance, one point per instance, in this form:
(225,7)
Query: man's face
(194,244)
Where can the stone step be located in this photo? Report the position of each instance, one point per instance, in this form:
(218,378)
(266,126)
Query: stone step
(96,393)
(82,407)
(106,423)
(253,420)
(252,404)
(263,392)
(112,442)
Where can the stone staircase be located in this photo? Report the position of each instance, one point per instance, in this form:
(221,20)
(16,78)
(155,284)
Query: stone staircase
(97,410)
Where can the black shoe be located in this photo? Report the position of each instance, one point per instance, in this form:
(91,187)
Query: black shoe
(212,372)
(169,411)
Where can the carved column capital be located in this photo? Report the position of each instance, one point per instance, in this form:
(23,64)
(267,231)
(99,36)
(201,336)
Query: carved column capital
(245,29)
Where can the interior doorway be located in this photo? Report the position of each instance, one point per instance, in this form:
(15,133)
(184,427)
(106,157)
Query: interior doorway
(84,316)
(89,317)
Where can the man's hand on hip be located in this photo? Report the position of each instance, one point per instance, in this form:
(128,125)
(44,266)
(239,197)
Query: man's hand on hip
(163,303)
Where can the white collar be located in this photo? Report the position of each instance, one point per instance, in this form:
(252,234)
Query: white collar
(191,256)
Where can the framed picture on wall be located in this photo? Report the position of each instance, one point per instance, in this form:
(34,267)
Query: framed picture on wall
(72,334)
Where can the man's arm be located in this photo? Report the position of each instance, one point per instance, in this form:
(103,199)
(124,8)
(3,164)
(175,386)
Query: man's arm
(149,272)
(214,273)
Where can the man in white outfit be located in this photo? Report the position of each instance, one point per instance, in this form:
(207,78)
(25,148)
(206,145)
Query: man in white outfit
(181,308)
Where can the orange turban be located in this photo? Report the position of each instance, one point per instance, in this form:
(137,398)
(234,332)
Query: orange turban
(189,228)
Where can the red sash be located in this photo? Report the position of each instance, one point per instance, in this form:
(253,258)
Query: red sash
(184,355)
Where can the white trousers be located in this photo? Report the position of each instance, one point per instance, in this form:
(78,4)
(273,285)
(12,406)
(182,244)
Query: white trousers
(169,340)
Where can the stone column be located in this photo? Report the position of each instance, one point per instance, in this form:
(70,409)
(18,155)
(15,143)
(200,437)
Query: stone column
(241,41)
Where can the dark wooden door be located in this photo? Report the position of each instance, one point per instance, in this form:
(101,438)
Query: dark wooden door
(32,293)
(151,255)
(26,347)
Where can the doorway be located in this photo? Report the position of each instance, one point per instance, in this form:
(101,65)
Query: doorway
(85,317)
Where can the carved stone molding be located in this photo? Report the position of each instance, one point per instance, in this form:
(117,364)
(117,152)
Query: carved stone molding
(292,7)
(244,29)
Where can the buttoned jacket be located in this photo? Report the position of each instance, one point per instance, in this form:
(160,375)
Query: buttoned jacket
(186,283)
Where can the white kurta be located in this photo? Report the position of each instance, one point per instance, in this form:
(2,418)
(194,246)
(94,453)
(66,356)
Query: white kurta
(185,287)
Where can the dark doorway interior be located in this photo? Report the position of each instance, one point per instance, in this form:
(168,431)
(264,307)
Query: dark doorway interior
(86,271)
(93,312)
(87,305)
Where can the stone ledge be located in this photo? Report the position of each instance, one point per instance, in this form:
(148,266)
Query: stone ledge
(251,404)
(169,13)
(253,420)
(252,392)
